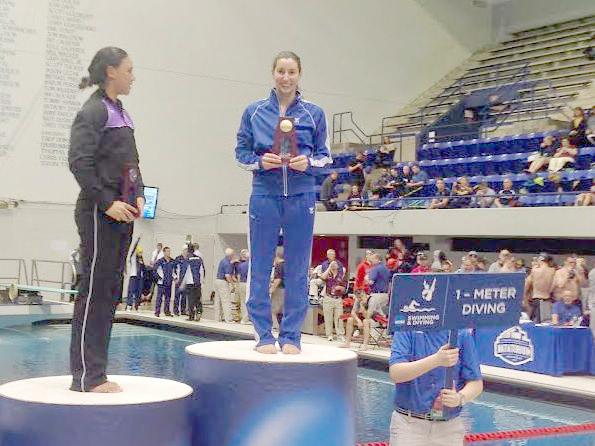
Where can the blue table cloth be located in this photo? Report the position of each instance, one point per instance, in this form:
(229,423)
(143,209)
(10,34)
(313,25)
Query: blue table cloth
(542,349)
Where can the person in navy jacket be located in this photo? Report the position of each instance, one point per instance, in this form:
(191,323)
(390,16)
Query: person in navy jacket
(192,273)
(165,268)
(179,298)
(283,197)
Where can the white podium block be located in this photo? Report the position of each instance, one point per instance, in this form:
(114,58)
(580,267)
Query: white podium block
(44,412)
(246,398)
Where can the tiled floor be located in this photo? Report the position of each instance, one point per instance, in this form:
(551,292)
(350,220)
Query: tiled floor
(577,385)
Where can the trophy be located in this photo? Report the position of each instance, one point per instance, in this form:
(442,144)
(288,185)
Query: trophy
(284,142)
(129,188)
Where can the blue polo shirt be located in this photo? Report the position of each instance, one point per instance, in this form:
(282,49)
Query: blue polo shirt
(380,276)
(225,267)
(419,394)
(242,270)
(566,312)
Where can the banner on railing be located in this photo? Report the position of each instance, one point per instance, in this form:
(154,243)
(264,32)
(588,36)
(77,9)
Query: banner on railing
(457,300)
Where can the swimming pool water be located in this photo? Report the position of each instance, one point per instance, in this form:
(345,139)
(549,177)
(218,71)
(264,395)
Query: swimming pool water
(41,350)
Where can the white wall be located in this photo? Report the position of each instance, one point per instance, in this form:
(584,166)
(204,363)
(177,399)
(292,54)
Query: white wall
(198,64)
(519,15)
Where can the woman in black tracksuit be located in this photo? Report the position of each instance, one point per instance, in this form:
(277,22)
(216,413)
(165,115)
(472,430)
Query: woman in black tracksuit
(104,161)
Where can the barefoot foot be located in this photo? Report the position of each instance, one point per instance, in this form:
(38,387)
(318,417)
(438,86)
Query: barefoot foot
(290,349)
(107,387)
(268,349)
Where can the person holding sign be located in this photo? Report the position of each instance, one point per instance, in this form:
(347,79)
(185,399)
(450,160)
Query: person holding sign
(426,412)
(104,161)
(282,140)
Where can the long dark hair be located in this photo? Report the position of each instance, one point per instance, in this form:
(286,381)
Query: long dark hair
(109,56)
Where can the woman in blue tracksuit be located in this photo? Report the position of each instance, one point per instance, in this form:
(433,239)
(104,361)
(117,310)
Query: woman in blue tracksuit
(283,198)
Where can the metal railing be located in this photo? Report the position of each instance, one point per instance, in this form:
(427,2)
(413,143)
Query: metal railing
(533,109)
(65,273)
(20,267)
(344,123)
(423,202)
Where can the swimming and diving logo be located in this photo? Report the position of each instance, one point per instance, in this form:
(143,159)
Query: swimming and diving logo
(514,347)
(428,316)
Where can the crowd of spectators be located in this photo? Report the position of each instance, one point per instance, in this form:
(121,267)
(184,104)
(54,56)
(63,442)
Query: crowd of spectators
(558,294)
(355,307)
(373,177)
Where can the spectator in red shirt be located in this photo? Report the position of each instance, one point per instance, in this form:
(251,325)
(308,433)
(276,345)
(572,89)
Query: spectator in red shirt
(397,251)
(360,275)
(392,265)
(422,264)
(361,318)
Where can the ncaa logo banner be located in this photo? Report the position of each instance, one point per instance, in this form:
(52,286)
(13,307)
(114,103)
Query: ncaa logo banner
(458,300)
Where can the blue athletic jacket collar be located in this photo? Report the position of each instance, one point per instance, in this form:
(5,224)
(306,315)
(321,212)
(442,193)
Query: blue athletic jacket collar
(274,99)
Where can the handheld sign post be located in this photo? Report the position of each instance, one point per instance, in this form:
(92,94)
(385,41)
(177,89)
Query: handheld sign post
(425,302)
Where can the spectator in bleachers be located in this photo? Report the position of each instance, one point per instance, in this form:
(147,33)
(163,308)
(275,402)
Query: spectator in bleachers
(316,283)
(360,274)
(566,311)
(507,196)
(398,250)
(332,302)
(360,318)
(496,267)
(461,193)
(571,277)
(586,198)
(356,170)
(539,283)
(378,279)
(590,133)
(419,178)
(406,174)
(510,265)
(578,129)
(355,197)
(422,264)
(442,195)
(396,185)
(542,157)
(380,184)
(474,257)
(392,265)
(484,196)
(331,256)
(441,264)
(328,193)
(564,155)
(481,265)
(466,266)
(521,266)
(386,153)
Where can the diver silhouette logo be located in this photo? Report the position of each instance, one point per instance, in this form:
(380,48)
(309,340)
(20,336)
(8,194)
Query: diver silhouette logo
(427,293)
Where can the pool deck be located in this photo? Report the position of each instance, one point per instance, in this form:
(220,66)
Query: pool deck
(577,386)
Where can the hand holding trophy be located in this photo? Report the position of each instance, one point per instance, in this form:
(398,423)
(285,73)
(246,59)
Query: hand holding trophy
(285,145)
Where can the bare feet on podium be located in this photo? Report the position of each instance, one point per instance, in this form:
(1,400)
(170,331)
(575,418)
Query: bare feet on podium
(290,349)
(107,387)
(268,349)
